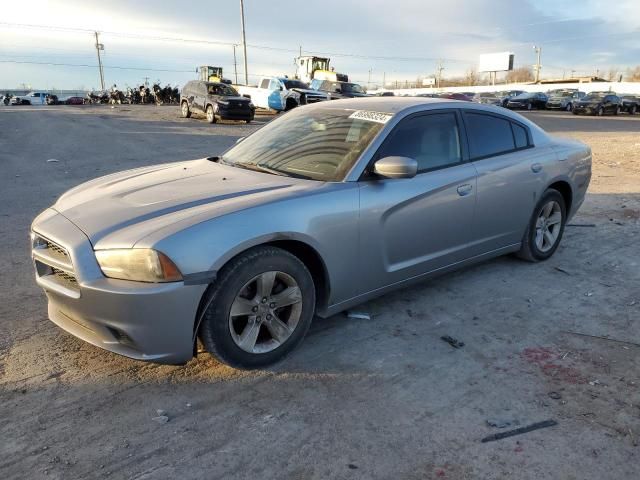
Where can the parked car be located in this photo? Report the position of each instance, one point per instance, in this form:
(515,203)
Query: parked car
(563,99)
(281,93)
(337,90)
(31,98)
(385,94)
(630,103)
(455,96)
(488,98)
(507,95)
(322,209)
(528,101)
(74,101)
(52,99)
(6,99)
(216,101)
(598,103)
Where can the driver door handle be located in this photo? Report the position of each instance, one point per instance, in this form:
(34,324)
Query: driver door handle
(464,189)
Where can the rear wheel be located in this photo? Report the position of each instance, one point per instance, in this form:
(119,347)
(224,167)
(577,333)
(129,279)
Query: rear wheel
(545,228)
(529,106)
(184,110)
(633,110)
(617,110)
(600,111)
(211,115)
(259,309)
(569,107)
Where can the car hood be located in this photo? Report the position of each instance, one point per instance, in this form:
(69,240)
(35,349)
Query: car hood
(123,207)
(235,98)
(308,90)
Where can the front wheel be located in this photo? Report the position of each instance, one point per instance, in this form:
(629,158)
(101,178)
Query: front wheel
(529,106)
(617,110)
(259,308)
(545,228)
(184,110)
(632,110)
(211,115)
(600,112)
(569,107)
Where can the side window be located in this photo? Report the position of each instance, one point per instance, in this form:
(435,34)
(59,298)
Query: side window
(264,83)
(274,85)
(432,140)
(520,135)
(488,135)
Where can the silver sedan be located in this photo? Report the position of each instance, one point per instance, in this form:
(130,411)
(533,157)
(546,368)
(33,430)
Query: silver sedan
(322,209)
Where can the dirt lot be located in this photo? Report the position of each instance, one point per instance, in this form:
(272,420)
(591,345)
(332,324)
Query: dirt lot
(382,398)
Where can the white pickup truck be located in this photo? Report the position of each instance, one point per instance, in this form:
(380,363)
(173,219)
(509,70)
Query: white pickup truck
(31,98)
(281,93)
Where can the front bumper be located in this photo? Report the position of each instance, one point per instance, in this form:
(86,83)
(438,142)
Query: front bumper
(145,321)
(586,110)
(231,113)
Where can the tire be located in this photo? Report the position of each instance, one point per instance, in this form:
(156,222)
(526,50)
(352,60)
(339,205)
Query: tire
(569,107)
(600,111)
(531,249)
(529,106)
(184,110)
(632,110)
(211,115)
(617,110)
(247,121)
(228,337)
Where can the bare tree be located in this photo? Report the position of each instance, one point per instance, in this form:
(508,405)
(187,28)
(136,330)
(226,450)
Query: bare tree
(633,74)
(471,77)
(612,75)
(518,75)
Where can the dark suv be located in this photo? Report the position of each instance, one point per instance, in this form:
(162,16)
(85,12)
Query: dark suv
(216,101)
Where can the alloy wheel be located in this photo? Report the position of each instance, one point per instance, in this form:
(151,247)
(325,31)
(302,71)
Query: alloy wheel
(185,109)
(548,226)
(265,312)
(210,114)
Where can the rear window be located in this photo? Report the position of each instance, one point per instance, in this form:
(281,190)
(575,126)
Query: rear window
(488,135)
(520,135)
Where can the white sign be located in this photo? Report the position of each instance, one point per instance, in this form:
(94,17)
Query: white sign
(496,62)
(428,81)
(378,117)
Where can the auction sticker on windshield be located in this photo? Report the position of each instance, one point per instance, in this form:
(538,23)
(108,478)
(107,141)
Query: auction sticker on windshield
(378,117)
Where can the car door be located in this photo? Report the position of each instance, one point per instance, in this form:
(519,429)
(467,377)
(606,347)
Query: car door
(509,176)
(416,225)
(276,95)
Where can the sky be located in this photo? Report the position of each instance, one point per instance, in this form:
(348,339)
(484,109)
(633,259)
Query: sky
(165,40)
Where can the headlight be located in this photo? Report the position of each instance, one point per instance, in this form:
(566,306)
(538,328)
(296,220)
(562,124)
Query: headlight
(138,264)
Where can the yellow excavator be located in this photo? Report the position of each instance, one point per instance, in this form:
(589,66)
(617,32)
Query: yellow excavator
(209,73)
(312,67)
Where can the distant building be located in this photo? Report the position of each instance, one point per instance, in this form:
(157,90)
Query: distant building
(573,80)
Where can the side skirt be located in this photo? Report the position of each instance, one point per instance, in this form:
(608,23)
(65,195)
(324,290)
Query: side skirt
(344,305)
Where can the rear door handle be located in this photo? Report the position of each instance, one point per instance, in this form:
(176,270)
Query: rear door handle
(536,167)
(464,189)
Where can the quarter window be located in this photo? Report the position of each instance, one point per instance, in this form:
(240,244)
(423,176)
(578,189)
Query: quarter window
(432,140)
(488,135)
(265,83)
(520,135)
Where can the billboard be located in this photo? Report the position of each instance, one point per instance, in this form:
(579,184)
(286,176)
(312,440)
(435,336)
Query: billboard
(495,62)
(428,82)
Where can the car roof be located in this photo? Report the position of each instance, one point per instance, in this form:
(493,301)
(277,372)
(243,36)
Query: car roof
(386,104)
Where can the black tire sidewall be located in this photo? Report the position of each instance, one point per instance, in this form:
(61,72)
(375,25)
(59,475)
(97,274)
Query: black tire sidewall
(548,196)
(214,331)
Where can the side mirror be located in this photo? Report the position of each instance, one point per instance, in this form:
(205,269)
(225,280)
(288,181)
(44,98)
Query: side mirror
(280,88)
(396,167)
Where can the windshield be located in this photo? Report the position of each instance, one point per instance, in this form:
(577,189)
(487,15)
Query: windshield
(295,84)
(351,88)
(319,144)
(593,98)
(221,89)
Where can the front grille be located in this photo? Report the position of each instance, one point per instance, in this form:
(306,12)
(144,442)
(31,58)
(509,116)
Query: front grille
(54,266)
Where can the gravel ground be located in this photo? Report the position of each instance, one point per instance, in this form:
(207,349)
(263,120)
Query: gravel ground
(360,399)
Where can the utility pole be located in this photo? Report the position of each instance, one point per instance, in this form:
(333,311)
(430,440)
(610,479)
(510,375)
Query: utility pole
(244,44)
(384,79)
(99,47)
(235,64)
(439,76)
(369,80)
(537,66)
